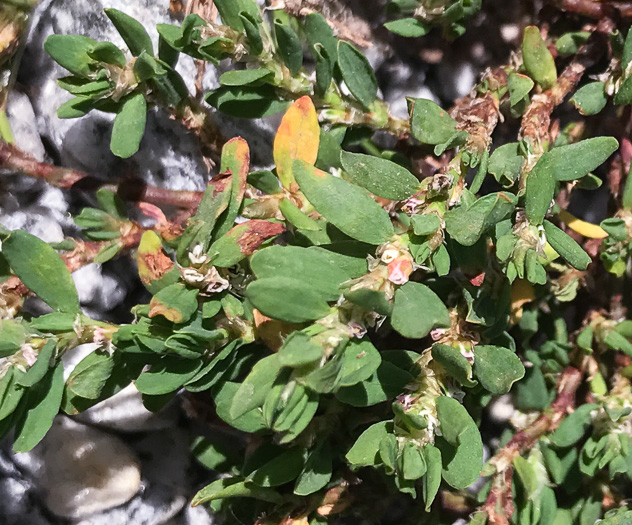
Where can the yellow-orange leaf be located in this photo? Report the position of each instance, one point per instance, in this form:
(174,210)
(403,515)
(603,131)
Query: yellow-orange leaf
(522,292)
(587,229)
(297,138)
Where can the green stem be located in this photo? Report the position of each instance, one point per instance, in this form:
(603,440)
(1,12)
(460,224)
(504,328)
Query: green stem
(371,148)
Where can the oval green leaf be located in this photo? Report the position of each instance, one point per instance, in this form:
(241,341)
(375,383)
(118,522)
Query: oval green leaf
(347,206)
(380,176)
(34,262)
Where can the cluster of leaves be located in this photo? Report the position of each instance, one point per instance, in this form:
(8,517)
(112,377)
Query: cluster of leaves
(415,18)
(351,321)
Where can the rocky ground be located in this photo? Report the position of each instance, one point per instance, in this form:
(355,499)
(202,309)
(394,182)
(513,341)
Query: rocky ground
(119,464)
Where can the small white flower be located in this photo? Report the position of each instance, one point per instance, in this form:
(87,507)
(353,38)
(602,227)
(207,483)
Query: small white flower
(198,257)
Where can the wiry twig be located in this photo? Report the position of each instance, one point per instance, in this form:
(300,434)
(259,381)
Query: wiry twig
(596,9)
(134,190)
(499,504)
(478,113)
(536,122)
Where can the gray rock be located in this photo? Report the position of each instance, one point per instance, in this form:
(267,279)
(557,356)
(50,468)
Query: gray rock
(85,470)
(19,496)
(125,412)
(164,458)
(24,125)
(168,153)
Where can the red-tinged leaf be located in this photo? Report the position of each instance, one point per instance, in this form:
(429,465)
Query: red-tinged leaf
(175,303)
(155,269)
(242,241)
(297,138)
(236,160)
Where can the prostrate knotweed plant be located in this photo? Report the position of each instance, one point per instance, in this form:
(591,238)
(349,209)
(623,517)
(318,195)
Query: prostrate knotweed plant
(351,320)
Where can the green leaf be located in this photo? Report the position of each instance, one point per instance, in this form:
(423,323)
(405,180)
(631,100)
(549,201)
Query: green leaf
(569,43)
(229,11)
(298,350)
(12,335)
(317,471)
(265,181)
(254,389)
(132,32)
(314,268)
(380,176)
(531,392)
(43,401)
(91,374)
(216,452)
(79,86)
(244,77)
(388,450)
(527,474)
(505,164)
(279,470)
(365,451)
(432,479)
(296,217)
(360,361)
(349,256)
(624,93)
(253,34)
(497,368)
(466,224)
(413,463)
(386,383)
(167,375)
(590,99)
(519,88)
(357,73)
(129,126)
(76,107)
(10,392)
(615,227)
(539,192)
(108,53)
(40,368)
(425,224)
(455,363)
(175,303)
(233,488)
(408,27)
(72,53)
(370,300)
(318,32)
(34,262)
(347,206)
(566,247)
(146,67)
(323,379)
(417,310)
(574,426)
(574,161)
(430,124)
(250,422)
(299,418)
(290,47)
(617,341)
(247,101)
(287,299)
(461,446)
(537,59)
